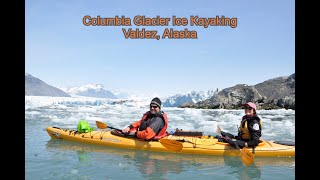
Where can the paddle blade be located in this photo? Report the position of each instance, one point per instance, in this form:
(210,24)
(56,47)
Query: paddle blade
(171,144)
(246,156)
(101,125)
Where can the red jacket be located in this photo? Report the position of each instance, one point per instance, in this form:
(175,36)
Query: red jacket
(148,133)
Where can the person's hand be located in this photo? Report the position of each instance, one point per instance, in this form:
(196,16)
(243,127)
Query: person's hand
(218,131)
(132,133)
(126,130)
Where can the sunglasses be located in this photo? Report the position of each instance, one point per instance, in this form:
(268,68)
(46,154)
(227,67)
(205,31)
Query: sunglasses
(250,108)
(153,107)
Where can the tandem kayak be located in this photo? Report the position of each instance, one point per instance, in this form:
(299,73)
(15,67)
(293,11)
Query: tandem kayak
(205,145)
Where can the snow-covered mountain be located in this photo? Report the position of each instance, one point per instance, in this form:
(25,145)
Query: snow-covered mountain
(91,90)
(193,96)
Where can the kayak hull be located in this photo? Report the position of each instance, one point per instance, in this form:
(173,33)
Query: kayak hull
(192,145)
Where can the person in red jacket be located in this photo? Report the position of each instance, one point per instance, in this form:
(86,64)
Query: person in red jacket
(152,125)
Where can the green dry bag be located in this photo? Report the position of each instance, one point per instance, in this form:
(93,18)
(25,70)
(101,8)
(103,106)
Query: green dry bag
(84,127)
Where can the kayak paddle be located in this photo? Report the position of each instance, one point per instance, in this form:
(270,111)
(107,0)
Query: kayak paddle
(102,125)
(246,156)
(167,143)
(171,144)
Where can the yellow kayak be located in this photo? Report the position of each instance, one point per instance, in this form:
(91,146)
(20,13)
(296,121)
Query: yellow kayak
(175,159)
(204,145)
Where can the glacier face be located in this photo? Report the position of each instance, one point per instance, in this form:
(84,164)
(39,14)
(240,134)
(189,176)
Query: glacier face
(91,90)
(193,97)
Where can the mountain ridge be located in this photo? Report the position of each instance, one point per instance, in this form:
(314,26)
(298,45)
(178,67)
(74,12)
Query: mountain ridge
(36,87)
(273,93)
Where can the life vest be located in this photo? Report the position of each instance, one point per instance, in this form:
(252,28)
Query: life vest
(243,130)
(163,132)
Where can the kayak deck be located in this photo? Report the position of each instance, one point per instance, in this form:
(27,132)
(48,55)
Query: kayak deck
(206,145)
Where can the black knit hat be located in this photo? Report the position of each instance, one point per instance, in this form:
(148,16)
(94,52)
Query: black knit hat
(156,101)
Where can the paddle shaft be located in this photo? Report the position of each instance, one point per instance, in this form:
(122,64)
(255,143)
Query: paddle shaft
(102,125)
(238,148)
(114,128)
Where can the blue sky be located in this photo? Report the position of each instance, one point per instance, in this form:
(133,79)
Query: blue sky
(63,52)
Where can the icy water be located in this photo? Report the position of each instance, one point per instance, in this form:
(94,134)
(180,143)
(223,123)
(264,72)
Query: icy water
(46,158)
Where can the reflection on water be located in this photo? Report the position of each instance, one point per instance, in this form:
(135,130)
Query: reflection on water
(162,165)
